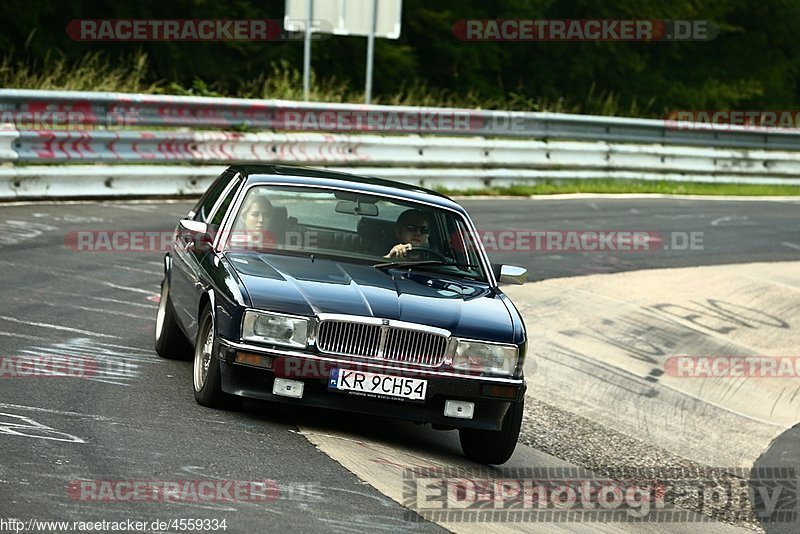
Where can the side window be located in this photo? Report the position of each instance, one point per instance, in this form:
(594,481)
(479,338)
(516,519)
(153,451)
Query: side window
(462,245)
(203,208)
(216,220)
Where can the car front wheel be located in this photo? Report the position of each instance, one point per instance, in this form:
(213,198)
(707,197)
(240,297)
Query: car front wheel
(493,447)
(206,376)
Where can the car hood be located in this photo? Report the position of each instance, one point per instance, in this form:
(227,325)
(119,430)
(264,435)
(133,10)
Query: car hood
(300,286)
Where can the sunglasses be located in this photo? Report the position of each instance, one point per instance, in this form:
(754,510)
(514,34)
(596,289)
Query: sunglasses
(425,230)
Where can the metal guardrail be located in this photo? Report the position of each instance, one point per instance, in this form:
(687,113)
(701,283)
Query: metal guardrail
(103,181)
(120,109)
(391,151)
(453,148)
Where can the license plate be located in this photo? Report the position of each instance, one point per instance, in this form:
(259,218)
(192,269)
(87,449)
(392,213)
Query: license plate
(378,385)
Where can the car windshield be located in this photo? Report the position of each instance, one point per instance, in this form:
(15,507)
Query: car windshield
(354,226)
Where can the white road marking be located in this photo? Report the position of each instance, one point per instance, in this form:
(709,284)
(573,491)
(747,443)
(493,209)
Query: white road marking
(14,232)
(103,299)
(115,364)
(125,288)
(135,270)
(17,425)
(57,327)
(79,219)
(790,245)
(682,216)
(21,336)
(72,274)
(101,310)
(57,412)
(141,208)
(69,218)
(104,348)
(61,305)
(742,219)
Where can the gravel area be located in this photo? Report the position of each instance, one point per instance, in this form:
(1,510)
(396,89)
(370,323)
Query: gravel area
(609,453)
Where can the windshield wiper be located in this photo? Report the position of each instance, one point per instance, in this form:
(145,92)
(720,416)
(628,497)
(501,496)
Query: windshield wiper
(390,264)
(423,263)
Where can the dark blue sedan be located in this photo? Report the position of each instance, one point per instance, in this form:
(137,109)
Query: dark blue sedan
(337,291)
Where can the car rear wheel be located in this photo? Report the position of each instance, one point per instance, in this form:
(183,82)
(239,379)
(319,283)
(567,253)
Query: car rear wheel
(170,343)
(206,376)
(493,447)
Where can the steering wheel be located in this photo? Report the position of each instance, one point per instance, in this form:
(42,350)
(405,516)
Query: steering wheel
(430,252)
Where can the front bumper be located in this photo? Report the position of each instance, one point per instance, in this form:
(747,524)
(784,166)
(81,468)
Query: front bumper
(312,369)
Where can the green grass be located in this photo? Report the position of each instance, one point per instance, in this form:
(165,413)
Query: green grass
(94,72)
(130,73)
(553,187)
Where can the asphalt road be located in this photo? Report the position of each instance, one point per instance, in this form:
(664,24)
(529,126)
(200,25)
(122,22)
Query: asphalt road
(724,232)
(135,418)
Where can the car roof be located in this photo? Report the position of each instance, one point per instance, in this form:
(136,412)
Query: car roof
(320,177)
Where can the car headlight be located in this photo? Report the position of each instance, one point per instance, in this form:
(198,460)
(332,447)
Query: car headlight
(275,329)
(486,357)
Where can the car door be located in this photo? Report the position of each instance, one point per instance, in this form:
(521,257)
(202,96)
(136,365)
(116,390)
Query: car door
(187,281)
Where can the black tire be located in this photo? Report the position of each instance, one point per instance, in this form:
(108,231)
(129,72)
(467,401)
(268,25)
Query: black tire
(493,447)
(206,380)
(170,341)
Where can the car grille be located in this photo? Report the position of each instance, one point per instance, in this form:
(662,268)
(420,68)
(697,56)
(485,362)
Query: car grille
(375,341)
(350,339)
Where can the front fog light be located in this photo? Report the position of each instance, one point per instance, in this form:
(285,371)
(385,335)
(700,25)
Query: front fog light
(288,388)
(459,409)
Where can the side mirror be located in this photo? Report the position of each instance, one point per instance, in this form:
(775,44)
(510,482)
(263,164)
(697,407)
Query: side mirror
(196,227)
(511,274)
(194,235)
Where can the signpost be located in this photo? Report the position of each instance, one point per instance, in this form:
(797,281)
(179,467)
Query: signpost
(370,18)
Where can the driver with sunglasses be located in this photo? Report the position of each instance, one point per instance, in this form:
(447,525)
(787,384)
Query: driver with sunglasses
(412,230)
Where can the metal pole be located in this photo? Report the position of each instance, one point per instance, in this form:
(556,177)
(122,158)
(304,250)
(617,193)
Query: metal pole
(307,50)
(371,52)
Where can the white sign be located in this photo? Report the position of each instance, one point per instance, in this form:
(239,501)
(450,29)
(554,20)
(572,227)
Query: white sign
(345,17)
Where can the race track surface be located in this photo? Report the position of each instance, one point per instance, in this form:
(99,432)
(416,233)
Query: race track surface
(135,418)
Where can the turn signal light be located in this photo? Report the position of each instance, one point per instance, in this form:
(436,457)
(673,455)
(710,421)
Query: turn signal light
(248,358)
(503,392)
